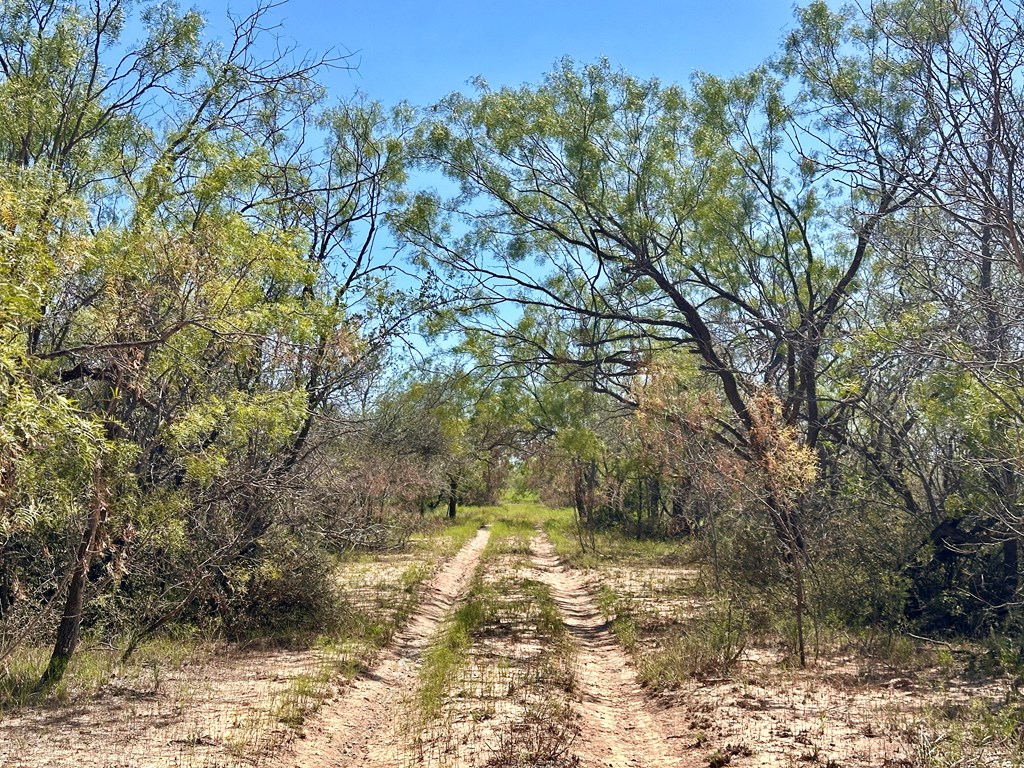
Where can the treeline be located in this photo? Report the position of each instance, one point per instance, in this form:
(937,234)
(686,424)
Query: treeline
(780,314)
(794,297)
(192,319)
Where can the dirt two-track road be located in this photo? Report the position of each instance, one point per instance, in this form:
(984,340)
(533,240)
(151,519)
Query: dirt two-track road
(618,727)
(537,679)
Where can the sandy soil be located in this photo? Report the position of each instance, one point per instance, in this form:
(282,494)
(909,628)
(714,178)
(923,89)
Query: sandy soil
(614,725)
(197,715)
(618,725)
(833,713)
(220,707)
(516,687)
(362,727)
(845,710)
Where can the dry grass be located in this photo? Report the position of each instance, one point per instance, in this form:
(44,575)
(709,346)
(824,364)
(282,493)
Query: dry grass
(498,687)
(878,700)
(187,701)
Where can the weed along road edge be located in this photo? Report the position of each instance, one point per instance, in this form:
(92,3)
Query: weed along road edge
(360,727)
(618,727)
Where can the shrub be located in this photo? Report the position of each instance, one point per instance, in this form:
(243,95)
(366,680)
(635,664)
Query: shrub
(286,589)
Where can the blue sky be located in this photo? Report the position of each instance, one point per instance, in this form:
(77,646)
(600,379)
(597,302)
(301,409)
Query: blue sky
(420,51)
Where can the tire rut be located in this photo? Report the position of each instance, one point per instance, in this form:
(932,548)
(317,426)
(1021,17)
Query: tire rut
(359,729)
(618,727)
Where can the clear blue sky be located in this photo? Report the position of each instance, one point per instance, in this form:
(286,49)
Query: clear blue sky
(421,50)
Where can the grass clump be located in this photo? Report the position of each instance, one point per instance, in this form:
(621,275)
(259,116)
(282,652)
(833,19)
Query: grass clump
(711,647)
(979,735)
(448,654)
(621,612)
(543,735)
(304,695)
(90,670)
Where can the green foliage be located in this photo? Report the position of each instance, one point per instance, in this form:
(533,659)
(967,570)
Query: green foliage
(287,587)
(773,315)
(176,318)
(245,422)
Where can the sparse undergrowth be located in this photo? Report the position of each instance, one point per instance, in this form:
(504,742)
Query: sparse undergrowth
(974,735)
(273,683)
(864,701)
(611,546)
(496,686)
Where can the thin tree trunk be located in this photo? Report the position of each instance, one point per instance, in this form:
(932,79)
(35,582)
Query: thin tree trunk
(579,504)
(713,521)
(453,495)
(798,594)
(69,630)
(787,528)
(639,503)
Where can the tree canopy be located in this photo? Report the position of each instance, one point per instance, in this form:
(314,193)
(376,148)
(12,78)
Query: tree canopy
(778,313)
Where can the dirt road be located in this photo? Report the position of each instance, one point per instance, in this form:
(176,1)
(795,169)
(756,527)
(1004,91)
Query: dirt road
(619,727)
(540,674)
(362,728)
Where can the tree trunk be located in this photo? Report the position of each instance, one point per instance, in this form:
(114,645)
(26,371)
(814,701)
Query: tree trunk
(798,595)
(1011,568)
(453,495)
(787,528)
(7,592)
(71,619)
(578,503)
(654,509)
(640,493)
(584,482)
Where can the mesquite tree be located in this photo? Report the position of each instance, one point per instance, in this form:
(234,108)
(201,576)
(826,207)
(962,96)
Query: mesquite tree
(192,286)
(691,220)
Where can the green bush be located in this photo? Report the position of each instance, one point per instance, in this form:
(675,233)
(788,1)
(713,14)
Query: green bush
(287,589)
